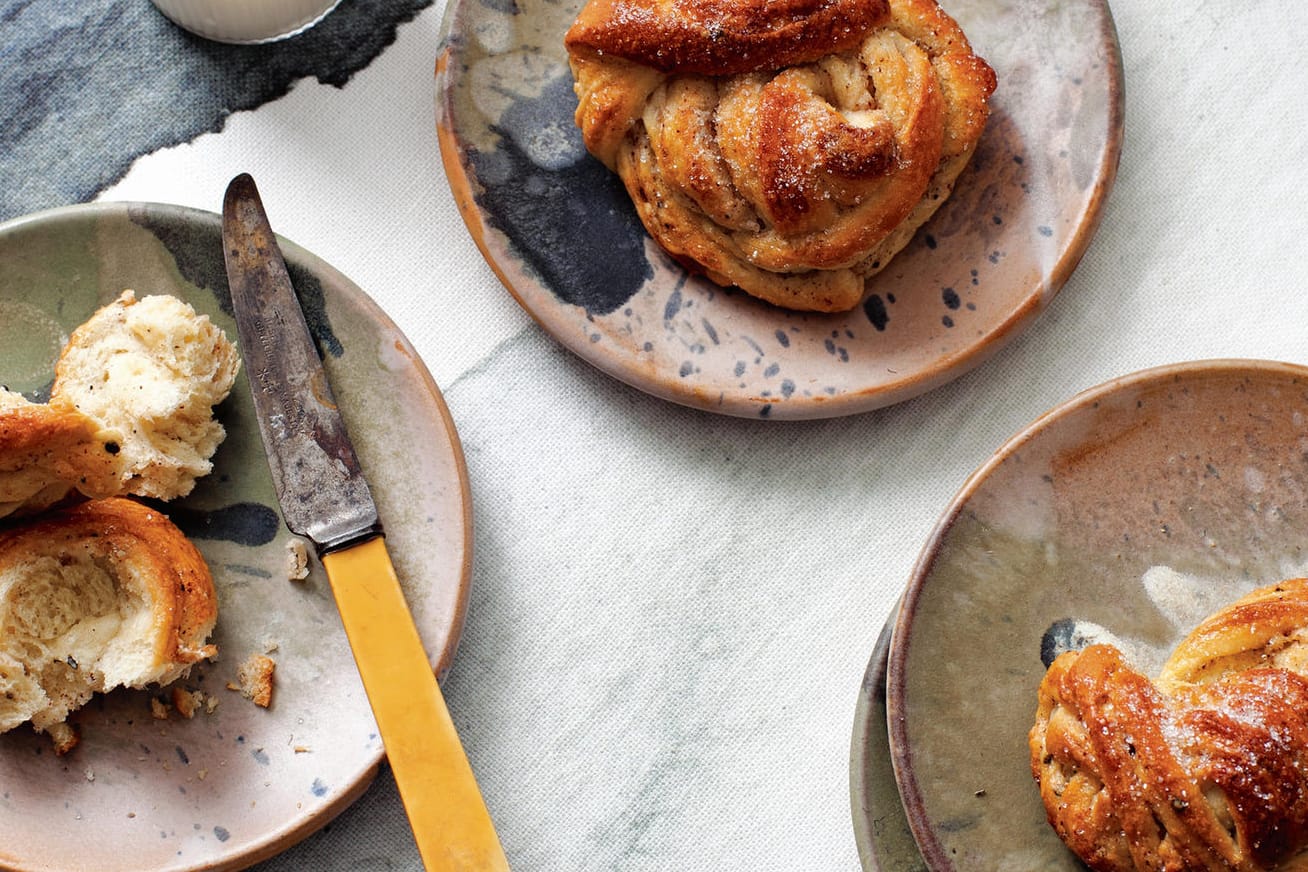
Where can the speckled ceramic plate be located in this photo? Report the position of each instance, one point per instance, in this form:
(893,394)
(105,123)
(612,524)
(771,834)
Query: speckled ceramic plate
(881,831)
(227,788)
(1126,515)
(562,235)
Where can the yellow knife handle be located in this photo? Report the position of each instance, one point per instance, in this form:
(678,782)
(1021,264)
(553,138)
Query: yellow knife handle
(446,811)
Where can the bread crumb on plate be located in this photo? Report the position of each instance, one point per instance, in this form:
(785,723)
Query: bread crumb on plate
(255,679)
(297,560)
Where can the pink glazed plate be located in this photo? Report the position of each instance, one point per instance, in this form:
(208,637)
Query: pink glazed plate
(560,232)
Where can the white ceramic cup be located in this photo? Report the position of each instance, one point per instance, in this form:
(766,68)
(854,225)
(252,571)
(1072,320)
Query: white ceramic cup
(246,21)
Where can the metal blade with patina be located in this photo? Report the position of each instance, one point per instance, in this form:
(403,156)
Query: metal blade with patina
(322,491)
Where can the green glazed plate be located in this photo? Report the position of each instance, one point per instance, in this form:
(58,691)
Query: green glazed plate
(1125,515)
(228,788)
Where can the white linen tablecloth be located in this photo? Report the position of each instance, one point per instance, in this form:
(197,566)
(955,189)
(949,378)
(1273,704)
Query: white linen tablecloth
(672,611)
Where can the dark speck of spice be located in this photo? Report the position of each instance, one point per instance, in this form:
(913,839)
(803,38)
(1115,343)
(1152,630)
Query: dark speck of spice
(787,387)
(772,370)
(740,368)
(950,296)
(221,834)
(930,241)
(260,756)
(765,411)
(782,339)
(875,309)
(830,346)
(649,346)
(997,220)
(1045,230)
(318,788)
(947,321)
(686,368)
(181,755)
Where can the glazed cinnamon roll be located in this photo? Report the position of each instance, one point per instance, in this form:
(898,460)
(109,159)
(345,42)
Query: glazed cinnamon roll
(787,147)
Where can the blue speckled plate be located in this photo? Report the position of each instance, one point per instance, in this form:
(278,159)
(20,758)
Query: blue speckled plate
(561,234)
(228,788)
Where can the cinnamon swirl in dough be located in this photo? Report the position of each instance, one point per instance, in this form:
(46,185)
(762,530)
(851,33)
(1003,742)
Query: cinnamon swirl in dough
(103,595)
(1204,768)
(788,147)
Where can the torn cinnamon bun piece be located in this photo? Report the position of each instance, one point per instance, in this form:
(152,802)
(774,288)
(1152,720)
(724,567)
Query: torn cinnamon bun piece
(1205,767)
(790,148)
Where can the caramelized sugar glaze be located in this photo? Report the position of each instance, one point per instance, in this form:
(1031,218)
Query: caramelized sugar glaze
(789,148)
(1206,767)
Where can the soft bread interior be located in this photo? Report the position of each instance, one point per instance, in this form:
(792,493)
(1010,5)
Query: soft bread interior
(151,369)
(109,594)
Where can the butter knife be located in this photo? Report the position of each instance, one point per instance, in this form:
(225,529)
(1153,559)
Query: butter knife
(325,498)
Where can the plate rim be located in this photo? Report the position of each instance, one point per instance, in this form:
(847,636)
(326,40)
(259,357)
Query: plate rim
(896,678)
(277,840)
(866,710)
(706,397)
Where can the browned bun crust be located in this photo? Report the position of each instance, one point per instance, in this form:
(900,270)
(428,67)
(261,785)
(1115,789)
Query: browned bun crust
(173,575)
(789,148)
(722,37)
(106,594)
(49,450)
(1204,768)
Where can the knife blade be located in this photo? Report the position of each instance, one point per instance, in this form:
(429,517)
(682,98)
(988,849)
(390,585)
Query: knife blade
(325,498)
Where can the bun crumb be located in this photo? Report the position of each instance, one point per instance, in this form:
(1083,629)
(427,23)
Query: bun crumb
(187,702)
(255,679)
(297,560)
